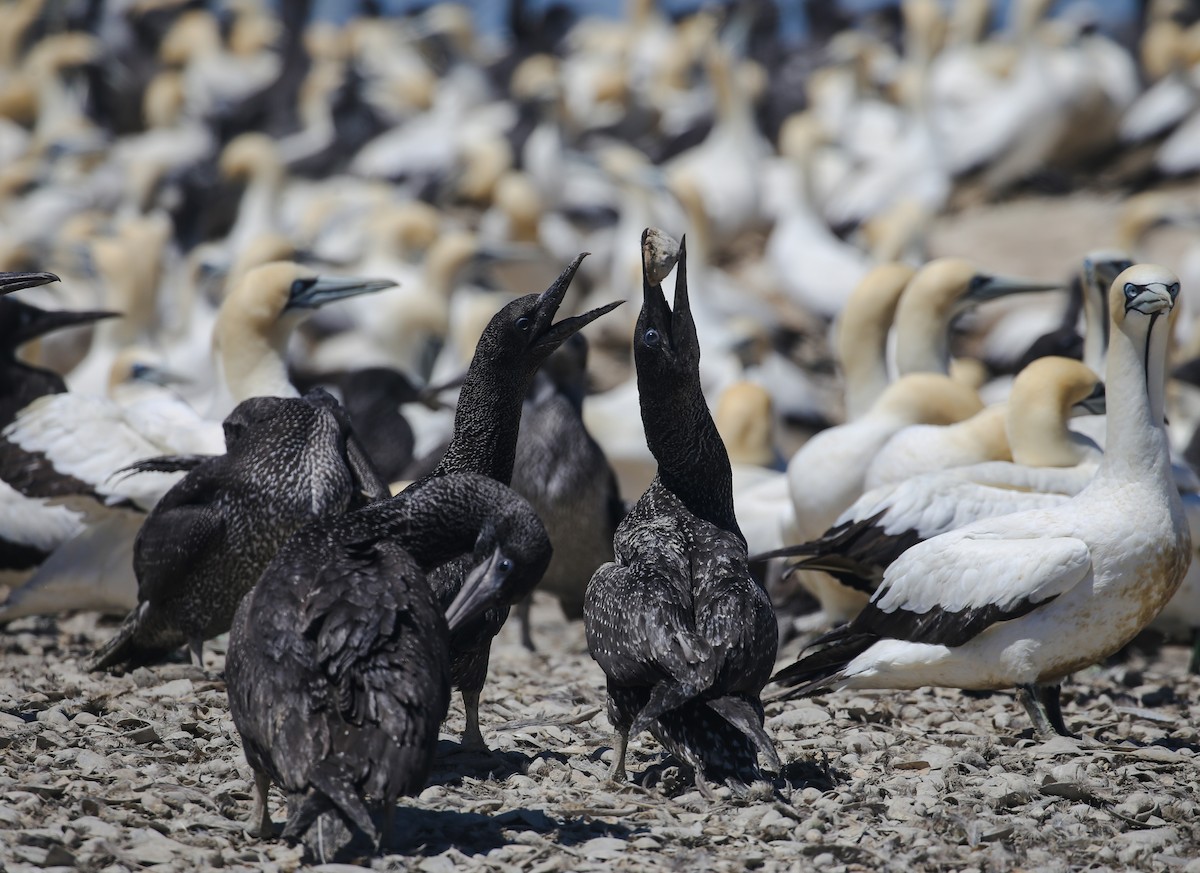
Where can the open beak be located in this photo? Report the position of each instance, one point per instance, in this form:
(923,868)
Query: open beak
(985,287)
(480,590)
(10,282)
(315,292)
(551,336)
(1094,404)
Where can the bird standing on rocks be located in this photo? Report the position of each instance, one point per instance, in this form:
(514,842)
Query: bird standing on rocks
(339,658)
(684,634)
(513,345)
(1026,599)
(562,471)
(287,462)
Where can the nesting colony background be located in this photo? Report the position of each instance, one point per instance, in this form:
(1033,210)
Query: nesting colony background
(153,152)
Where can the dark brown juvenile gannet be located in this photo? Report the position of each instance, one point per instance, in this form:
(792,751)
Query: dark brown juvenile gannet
(513,345)
(562,471)
(339,659)
(685,635)
(288,461)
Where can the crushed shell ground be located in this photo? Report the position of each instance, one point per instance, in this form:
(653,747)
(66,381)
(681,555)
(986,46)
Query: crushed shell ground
(146,771)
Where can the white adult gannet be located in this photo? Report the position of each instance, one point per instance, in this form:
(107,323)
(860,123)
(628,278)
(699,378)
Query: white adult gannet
(1043,395)
(1028,598)
(86,439)
(890,518)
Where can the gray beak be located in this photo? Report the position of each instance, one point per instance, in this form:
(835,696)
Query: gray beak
(1094,404)
(319,290)
(156,375)
(985,287)
(481,590)
(15,281)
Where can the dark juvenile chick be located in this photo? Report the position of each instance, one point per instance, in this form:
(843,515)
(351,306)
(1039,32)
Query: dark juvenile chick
(513,345)
(562,471)
(684,634)
(288,461)
(339,659)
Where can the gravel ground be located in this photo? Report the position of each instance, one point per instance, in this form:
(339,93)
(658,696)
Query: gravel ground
(146,770)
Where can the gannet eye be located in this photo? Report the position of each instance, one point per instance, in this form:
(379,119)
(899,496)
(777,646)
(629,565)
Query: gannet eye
(504,567)
(523,323)
(651,337)
(1173,290)
(1131,290)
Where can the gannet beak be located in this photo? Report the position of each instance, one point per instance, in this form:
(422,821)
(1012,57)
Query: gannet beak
(1094,404)
(986,287)
(48,321)
(15,281)
(551,336)
(480,590)
(319,290)
(156,375)
(1105,272)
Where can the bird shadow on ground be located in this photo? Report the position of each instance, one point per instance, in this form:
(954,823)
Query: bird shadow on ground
(453,762)
(426,832)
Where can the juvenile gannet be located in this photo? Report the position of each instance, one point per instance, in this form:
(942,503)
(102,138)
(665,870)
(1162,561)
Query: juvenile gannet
(287,462)
(682,631)
(1028,598)
(339,658)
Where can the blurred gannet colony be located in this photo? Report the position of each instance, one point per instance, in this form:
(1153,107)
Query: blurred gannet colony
(854,419)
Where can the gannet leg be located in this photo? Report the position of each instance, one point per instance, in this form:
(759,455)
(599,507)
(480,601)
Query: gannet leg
(1032,699)
(524,619)
(620,744)
(196,648)
(262,785)
(1194,663)
(385,833)
(1051,702)
(472,737)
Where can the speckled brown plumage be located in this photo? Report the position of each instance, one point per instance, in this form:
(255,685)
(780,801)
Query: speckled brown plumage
(288,461)
(684,634)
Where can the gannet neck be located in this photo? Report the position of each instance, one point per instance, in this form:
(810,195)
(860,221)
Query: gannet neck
(1095,325)
(1039,436)
(923,316)
(693,462)
(863,333)
(1135,437)
(253,361)
(922,341)
(986,430)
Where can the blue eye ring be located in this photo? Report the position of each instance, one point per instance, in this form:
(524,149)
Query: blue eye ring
(651,337)
(523,323)
(1131,290)
(505,566)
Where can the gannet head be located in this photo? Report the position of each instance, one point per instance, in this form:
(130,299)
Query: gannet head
(248,156)
(1144,289)
(955,284)
(927,398)
(666,349)
(256,319)
(1101,266)
(1044,395)
(511,555)
(523,333)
